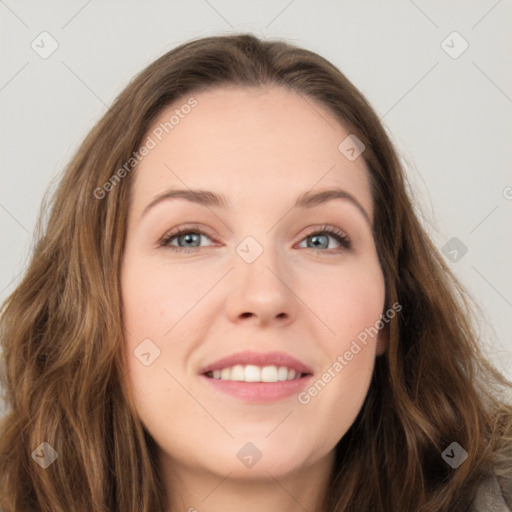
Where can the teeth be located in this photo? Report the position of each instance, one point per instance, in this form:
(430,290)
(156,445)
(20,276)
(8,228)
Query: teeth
(269,374)
(252,373)
(282,373)
(237,373)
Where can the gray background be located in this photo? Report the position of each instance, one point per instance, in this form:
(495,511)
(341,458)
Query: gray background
(449,115)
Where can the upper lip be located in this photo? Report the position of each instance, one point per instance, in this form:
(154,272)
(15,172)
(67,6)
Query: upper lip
(258,359)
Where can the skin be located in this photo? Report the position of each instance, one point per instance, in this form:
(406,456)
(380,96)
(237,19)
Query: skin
(261,148)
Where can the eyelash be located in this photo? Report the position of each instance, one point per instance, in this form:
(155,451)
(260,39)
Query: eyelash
(341,237)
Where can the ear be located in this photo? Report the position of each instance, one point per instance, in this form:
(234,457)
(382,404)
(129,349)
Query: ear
(382,340)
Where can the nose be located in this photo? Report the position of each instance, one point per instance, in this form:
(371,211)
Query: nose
(262,291)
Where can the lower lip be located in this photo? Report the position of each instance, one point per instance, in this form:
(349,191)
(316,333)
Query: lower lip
(262,392)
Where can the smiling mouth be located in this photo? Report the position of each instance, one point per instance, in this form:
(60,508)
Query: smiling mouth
(253,373)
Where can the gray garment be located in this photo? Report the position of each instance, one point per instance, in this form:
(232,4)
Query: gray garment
(489,497)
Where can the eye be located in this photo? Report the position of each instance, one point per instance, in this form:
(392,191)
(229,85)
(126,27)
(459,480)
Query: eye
(188,239)
(320,239)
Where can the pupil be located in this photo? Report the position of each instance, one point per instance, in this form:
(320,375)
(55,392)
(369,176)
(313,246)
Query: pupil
(315,239)
(191,237)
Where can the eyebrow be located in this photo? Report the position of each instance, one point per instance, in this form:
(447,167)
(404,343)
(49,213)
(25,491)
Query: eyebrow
(210,199)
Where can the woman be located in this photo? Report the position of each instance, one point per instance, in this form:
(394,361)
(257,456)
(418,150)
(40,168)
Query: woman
(233,304)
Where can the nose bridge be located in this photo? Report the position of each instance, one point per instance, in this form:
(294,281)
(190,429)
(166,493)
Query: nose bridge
(259,280)
(258,261)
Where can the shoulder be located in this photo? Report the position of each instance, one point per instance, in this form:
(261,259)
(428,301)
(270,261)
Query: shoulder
(491,496)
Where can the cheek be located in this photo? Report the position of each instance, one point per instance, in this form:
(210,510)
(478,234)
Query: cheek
(157,297)
(350,303)
(161,305)
(348,300)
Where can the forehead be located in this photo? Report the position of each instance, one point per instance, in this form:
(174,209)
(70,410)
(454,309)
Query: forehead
(248,143)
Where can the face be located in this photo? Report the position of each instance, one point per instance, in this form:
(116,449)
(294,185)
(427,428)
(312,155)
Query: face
(284,292)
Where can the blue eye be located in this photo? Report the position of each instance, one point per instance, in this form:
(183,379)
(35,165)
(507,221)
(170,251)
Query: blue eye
(320,239)
(189,239)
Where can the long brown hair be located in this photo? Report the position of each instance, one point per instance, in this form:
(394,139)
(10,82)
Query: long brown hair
(62,335)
